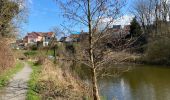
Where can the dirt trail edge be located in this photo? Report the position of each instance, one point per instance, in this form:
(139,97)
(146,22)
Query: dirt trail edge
(17,88)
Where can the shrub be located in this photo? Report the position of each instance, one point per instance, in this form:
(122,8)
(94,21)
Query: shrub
(70,48)
(158,52)
(7,59)
(33,47)
(40,60)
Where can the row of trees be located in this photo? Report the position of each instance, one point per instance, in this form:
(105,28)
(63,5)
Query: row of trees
(154,17)
(151,14)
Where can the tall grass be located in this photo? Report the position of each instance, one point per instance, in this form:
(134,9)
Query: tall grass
(7,59)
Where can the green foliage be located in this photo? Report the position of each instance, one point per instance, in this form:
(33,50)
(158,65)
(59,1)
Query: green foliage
(8,10)
(33,47)
(7,75)
(30,53)
(140,40)
(158,52)
(50,52)
(135,28)
(32,84)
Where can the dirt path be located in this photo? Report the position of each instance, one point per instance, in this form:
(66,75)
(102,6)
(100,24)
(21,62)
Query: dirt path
(17,88)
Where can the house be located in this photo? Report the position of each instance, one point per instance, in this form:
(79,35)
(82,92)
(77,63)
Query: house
(119,31)
(71,38)
(17,44)
(32,38)
(75,37)
(63,39)
(67,39)
(47,37)
(38,37)
(116,27)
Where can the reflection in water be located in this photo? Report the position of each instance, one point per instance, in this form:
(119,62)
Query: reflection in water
(142,83)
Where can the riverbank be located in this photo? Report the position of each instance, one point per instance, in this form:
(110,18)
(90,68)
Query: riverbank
(133,58)
(49,81)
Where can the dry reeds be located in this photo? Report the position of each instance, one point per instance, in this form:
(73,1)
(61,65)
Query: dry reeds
(7,59)
(59,84)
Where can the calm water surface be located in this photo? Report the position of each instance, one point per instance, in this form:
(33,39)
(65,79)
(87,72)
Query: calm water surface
(141,83)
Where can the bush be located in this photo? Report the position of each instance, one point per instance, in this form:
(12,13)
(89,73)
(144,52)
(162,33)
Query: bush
(40,61)
(158,52)
(70,48)
(33,47)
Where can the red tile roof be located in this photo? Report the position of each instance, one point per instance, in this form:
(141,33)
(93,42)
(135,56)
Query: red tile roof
(36,34)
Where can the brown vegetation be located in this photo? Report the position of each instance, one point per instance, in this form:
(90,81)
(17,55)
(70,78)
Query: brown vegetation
(6,56)
(59,84)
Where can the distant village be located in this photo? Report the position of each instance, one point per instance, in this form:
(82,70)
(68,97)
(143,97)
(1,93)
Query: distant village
(44,39)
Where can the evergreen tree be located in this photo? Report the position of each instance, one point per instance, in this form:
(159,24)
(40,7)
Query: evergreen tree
(141,39)
(135,28)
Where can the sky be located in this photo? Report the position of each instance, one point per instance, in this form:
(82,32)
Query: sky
(44,15)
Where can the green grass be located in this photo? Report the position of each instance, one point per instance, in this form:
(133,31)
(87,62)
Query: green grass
(8,74)
(50,52)
(32,84)
(35,53)
(31,53)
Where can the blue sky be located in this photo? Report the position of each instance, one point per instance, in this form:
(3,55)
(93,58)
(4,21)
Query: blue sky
(44,15)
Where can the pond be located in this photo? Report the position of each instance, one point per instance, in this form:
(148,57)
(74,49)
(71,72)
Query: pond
(140,83)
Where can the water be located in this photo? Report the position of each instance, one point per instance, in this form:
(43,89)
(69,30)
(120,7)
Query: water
(140,83)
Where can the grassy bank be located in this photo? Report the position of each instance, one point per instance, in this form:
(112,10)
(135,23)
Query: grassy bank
(32,84)
(50,82)
(7,75)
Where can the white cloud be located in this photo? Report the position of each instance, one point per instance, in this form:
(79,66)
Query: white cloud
(124,20)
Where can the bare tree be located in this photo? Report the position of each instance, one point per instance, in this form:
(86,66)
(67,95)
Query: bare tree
(97,16)
(152,14)
(57,34)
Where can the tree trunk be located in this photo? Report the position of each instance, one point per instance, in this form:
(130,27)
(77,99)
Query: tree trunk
(91,53)
(95,87)
(54,54)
